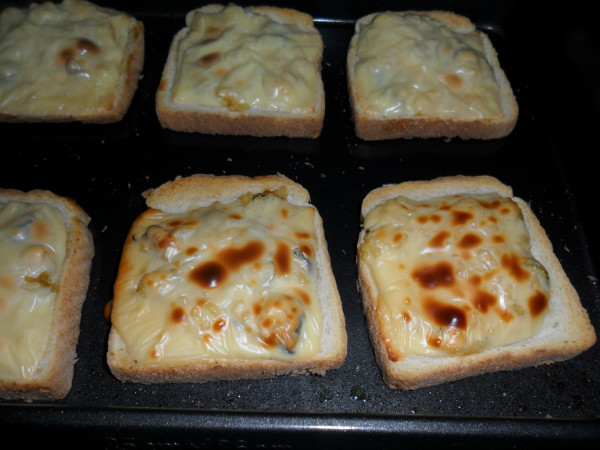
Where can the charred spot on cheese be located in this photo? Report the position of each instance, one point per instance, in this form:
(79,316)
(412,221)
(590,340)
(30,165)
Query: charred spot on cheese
(412,65)
(209,275)
(472,281)
(241,278)
(241,60)
(33,245)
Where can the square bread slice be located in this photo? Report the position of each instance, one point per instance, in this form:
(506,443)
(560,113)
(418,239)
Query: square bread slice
(458,278)
(244,71)
(225,278)
(66,62)
(46,253)
(426,74)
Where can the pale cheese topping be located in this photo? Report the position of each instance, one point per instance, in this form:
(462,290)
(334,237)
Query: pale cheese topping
(412,65)
(223,281)
(33,239)
(61,59)
(242,61)
(454,275)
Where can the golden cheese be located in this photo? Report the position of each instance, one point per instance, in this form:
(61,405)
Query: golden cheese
(454,275)
(222,281)
(246,61)
(412,65)
(61,59)
(33,240)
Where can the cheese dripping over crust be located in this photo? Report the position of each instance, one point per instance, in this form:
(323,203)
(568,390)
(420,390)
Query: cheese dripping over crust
(454,275)
(412,65)
(61,59)
(242,61)
(33,240)
(222,281)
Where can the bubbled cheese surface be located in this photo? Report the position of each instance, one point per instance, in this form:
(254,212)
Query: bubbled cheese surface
(224,281)
(33,240)
(411,65)
(245,61)
(454,275)
(60,59)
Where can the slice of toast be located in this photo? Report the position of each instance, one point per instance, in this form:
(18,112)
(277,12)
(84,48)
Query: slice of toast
(426,74)
(46,255)
(72,61)
(458,278)
(244,71)
(222,278)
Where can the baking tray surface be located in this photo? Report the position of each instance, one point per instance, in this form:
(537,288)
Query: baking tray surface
(107,167)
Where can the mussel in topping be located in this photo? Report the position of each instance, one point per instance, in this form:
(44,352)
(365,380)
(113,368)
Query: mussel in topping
(279,320)
(160,241)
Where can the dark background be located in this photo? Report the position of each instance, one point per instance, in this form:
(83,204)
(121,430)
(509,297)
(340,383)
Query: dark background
(551,57)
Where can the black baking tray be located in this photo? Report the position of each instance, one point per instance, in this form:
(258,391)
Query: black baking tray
(551,58)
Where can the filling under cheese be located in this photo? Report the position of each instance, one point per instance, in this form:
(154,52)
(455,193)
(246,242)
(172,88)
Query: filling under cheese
(33,240)
(411,65)
(223,281)
(61,59)
(454,275)
(246,61)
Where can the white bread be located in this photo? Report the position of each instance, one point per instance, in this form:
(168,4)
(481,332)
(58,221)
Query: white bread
(565,331)
(51,376)
(70,72)
(238,118)
(187,194)
(396,119)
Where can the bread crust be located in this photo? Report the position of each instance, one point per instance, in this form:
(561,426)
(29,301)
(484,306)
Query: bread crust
(130,71)
(377,127)
(567,330)
(198,190)
(206,120)
(53,378)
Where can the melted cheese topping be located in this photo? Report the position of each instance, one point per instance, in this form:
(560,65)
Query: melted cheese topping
(224,281)
(33,240)
(411,65)
(455,275)
(245,61)
(61,59)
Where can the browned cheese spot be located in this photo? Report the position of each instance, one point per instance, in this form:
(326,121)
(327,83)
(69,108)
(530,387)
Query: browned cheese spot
(438,241)
(219,324)
(40,230)
(490,205)
(461,217)
(452,80)
(209,275)
(469,241)
(438,275)
(86,46)
(283,258)
(514,267)
(178,315)
(303,296)
(483,301)
(234,258)
(537,303)
(209,59)
(434,341)
(306,250)
(445,315)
